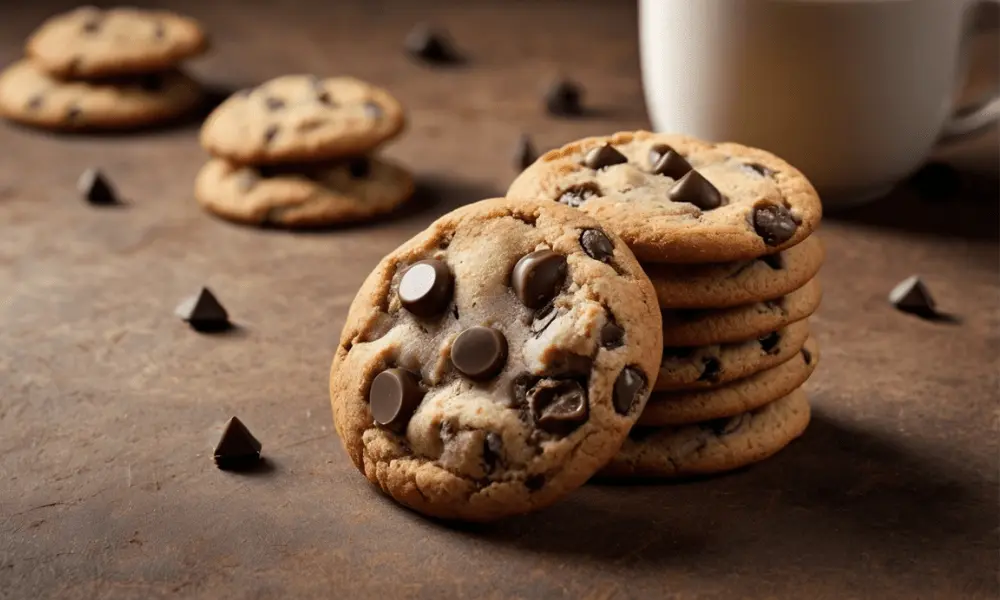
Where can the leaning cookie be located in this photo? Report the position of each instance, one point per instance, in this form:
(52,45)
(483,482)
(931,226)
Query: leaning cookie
(493,363)
(317,195)
(89,42)
(677,199)
(32,97)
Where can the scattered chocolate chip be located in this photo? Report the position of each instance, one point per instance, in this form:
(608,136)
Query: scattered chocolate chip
(578,194)
(672,165)
(711,369)
(394,396)
(373,110)
(425,288)
(725,425)
(912,296)
(492,450)
(657,152)
(534,482)
(203,312)
(693,188)
(558,405)
(273,103)
(773,223)
(563,98)
(602,157)
(430,45)
(936,181)
(73,113)
(96,189)
(807,356)
(519,388)
(769,343)
(35,102)
(524,153)
(716,426)
(91,25)
(775,261)
(323,97)
(538,277)
(359,167)
(544,317)
(612,335)
(759,169)
(479,352)
(151,82)
(237,449)
(269,133)
(628,389)
(597,245)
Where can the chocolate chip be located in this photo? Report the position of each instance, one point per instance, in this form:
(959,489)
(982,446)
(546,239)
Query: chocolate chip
(479,352)
(544,317)
(597,245)
(323,97)
(430,45)
(769,343)
(159,31)
(773,223)
(534,482)
(628,389)
(558,405)
(563,98)
(775,261)
(710,370)
(273,103)
(524,153)
(492,450)
(96,189)
(602,157)
(912,296)
(237,449)
(454,311)
(73,113)
(759,169)
(425,288)
(672,165)
(151,82)
(91,25)
(612,335)
(203,312)
(519,388)
(693,188)
(657,152)
(578,194)
(394,396)
(269,133)
(359,167)
(538,277)
(373,110)
(725,425)
(807,356)
(35,102)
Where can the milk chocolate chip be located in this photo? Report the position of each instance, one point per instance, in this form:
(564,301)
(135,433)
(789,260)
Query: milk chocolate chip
(558,405)
(603,156)
(657,152)
(672,165)
(773,223)
(425,288)
(394,396)
(578,194)
(479,352)
(775,261)
(693,188)
(612,335)
(628,389)
(537,277)
(769,343)
(597,245)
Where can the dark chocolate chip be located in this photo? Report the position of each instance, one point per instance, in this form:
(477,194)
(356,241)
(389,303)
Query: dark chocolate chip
(759,169)
(612,335)
(578,194)
(775,261)
(672,165)
(492,450)
(693,188)
(629,387)
(773,223)
(807,356)
(359,167)
(519,388)
(95,188)
(544,317)
(769,343)
(538,277)
(373,110)
(430,45)
(151,82)
(273,103)
(602,157)
(203,312)
(710,370)
(479,352)
(563,98)
(657,152)
(454,311)
(567,364)
(425,288)
(597,245)
(534,482)
(237,449)
(911,295)
(35,102)
(558,405)
(524,153)
(725,425)
(394,396)
(269,133)
(73,113)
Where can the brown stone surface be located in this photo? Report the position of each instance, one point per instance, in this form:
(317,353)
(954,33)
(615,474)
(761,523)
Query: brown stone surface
(108,402)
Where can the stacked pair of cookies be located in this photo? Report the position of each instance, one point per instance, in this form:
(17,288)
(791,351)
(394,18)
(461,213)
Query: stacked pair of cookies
(299,151)
(724,233)
(93,69)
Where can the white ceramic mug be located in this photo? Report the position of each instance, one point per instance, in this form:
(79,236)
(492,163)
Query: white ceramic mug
(855,93)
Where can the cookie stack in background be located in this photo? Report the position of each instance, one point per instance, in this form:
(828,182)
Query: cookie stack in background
(724,233)
(299,151)
(94,69)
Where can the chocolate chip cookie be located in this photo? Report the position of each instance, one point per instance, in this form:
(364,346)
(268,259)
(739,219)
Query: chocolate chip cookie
(677,199)
(33,97)
(711,366)
(494,362)
(749,393)
(315,195)
(89,42)
(302,118)
(713,446)
(703,327)
(722,285)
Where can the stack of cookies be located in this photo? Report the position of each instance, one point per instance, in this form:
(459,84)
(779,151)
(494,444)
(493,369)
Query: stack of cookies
(723,232)
(93,69)
(299,151)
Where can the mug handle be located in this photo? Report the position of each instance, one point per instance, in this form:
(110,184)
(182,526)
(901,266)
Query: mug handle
(972,120)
